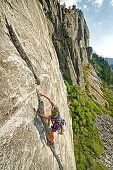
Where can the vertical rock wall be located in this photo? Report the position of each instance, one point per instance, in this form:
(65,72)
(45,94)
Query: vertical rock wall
(70,36)
(23,60)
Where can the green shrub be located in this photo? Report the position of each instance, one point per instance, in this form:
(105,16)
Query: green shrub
(87,143)
(99,166)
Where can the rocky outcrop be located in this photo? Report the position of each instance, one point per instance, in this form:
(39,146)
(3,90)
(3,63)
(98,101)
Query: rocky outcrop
(95,87)
(27,55)
(104,123)
(70,36)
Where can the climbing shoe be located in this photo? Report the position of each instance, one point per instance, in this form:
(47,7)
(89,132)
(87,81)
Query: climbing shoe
(50,143)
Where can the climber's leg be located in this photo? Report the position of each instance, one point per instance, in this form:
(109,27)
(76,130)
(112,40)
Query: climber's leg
(54,128)
(51,139)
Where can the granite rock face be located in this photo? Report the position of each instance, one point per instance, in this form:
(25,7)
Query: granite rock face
(70,35)
(27,55)
(95,87)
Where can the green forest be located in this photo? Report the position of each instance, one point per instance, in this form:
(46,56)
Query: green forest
(88,145)
(102,68)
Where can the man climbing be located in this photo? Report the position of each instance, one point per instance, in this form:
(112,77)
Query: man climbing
(55,118)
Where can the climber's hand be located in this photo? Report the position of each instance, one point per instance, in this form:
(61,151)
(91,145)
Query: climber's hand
(40,94)
(49,116)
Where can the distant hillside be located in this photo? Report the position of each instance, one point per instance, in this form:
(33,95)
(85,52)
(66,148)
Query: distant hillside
(103,67)
(110,60)
(111,66)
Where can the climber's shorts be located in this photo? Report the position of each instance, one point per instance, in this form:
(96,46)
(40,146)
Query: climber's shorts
(55,127)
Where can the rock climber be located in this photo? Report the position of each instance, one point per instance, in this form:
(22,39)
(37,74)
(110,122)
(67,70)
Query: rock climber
(55,118)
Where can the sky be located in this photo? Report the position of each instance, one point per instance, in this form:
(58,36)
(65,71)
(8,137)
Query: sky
(99,17)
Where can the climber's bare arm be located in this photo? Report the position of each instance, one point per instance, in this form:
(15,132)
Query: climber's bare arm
(41,94)
(45,117)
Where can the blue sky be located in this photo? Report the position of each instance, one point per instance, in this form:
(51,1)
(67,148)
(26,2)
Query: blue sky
(99,17)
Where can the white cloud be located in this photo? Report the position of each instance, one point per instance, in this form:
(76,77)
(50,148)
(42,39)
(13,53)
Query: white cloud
(85,7)
(104,46)
(96,2)
(68,2)
(97,24)
(111,2)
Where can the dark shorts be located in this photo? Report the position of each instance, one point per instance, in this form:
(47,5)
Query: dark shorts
(55,127)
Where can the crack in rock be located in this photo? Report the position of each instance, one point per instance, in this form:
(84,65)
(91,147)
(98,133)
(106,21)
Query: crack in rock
(19,48)
(47,131)
(40,123)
